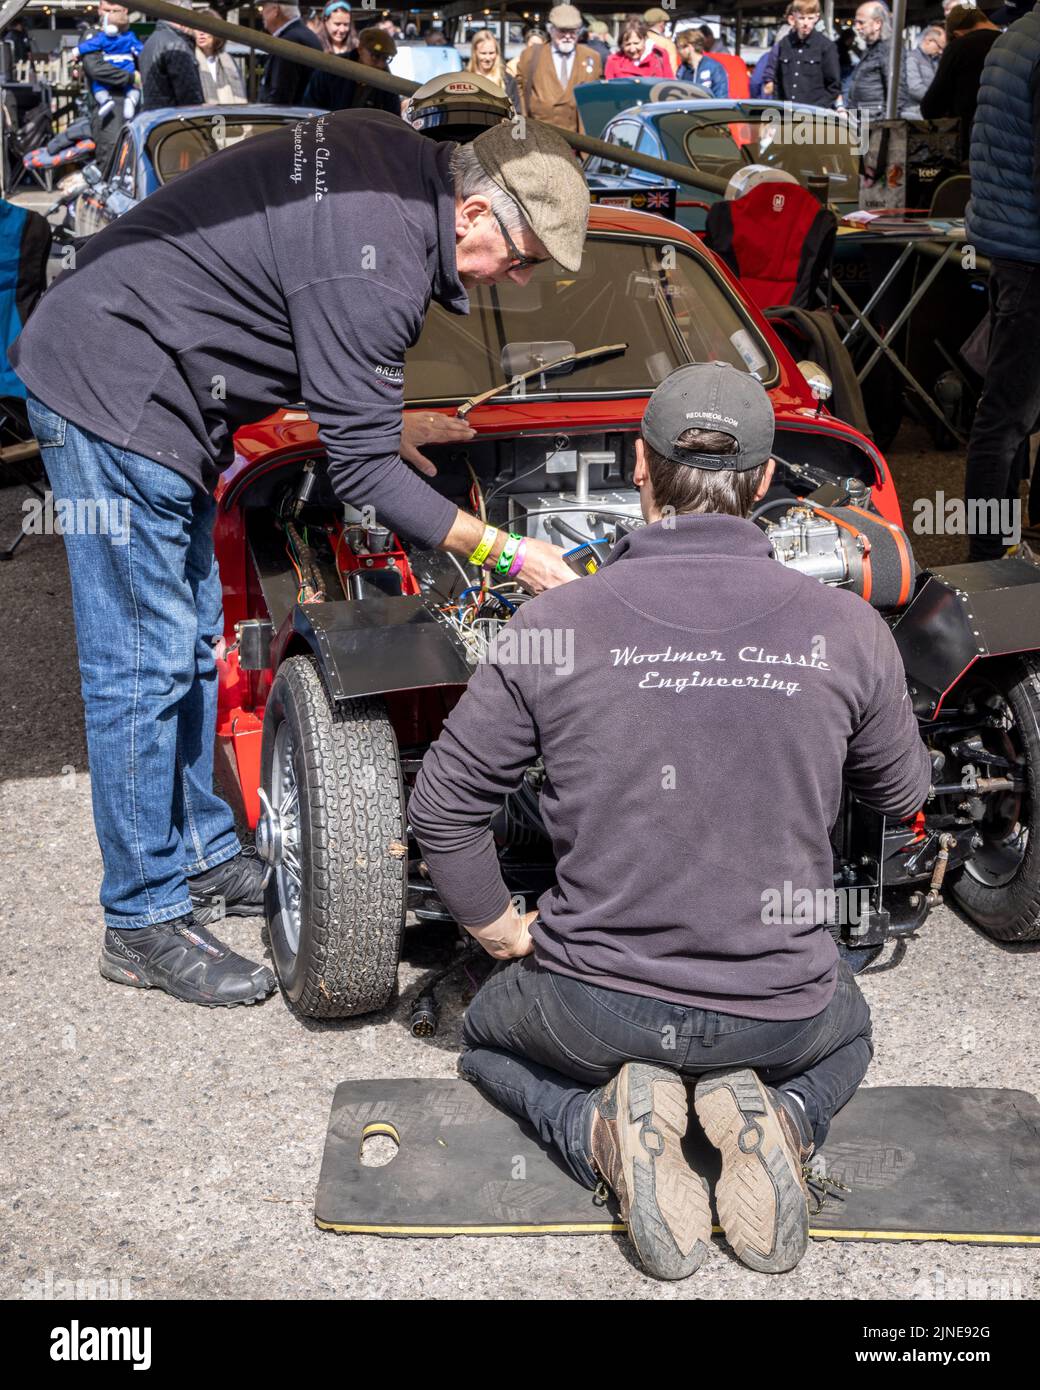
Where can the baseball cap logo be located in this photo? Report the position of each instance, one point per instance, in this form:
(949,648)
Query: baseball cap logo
(778,202)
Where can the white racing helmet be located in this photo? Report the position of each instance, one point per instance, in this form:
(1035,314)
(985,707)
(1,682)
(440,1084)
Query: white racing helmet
(744,180)
(457,106)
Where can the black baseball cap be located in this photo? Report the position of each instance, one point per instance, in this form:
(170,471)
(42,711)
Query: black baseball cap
(711,396)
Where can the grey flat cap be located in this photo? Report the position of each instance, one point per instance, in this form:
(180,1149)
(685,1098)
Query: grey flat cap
(541,174)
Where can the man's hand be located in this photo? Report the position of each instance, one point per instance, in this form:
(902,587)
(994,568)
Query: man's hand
(418,430)
(544,567)
(507,937)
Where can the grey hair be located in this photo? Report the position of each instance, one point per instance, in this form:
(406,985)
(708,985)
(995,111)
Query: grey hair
(472,182)
(879,10)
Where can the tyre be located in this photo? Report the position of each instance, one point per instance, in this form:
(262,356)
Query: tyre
(999,887)
(333,833)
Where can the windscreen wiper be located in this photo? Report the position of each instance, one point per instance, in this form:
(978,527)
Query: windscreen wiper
(607,350)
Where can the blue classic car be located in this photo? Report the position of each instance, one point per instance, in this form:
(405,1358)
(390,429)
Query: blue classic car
(158,146)
(720,137)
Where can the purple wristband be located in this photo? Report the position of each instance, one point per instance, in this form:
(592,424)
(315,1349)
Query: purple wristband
(518,560)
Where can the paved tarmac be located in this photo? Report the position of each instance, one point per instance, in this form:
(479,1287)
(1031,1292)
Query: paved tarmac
(159,1151)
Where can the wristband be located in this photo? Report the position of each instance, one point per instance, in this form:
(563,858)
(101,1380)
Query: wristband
(487,540)
(509,550)
(518,560)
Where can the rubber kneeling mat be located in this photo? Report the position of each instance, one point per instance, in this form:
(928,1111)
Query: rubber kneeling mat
(918,1163)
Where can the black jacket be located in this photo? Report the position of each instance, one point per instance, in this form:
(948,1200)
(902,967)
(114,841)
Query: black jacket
(955,87)
(869,89)
(808,70)
(284,83)
(169,71)
(328,93)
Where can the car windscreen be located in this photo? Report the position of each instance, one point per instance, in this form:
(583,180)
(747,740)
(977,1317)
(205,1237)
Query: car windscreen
(667,304)
(177,146)
(805,144)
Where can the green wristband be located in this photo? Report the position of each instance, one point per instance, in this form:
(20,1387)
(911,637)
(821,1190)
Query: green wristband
(509,550)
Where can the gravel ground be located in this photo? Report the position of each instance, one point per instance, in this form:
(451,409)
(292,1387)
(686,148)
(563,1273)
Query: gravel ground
(175,1151)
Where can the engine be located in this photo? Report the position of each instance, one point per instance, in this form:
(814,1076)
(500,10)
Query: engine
(847,546)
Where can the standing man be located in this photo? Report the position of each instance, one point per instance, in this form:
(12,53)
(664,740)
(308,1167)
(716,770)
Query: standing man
(868,92)
(656,21)
(922,63)
(169,69)
(955,88)
(298,265)
(597,38)
(284,82)
(119,78)
(1003,222)
(548,73)
(655,957)
(807,68)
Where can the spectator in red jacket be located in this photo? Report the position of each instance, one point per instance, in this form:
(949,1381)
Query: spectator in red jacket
(638,56)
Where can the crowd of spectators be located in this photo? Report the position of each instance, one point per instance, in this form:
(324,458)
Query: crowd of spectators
(178,66)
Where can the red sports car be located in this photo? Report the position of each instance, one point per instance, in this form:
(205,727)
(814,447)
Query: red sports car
(347,646)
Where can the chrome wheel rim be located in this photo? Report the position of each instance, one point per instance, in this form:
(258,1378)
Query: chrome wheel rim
(278,837)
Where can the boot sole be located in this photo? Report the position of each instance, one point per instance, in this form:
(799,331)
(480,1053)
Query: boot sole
(760,1198)
(666,1197)
(115,970)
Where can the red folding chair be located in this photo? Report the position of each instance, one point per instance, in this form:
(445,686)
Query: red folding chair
(777,240)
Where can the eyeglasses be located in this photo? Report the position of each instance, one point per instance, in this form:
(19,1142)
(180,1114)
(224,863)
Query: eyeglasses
(519,261)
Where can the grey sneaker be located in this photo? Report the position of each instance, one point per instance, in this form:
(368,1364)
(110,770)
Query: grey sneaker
(638,1123)
(761,1197)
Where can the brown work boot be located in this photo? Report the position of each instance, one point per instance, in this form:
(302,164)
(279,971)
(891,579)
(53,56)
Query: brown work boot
(761,1195)
(638,1123)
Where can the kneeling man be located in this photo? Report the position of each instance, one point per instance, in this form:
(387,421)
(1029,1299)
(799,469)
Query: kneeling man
(695,745)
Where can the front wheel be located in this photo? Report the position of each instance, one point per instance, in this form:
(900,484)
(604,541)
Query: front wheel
(333,834)
(999,887)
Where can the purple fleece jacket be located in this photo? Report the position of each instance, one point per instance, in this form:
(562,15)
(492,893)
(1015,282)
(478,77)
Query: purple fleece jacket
(697,706)
(296,265)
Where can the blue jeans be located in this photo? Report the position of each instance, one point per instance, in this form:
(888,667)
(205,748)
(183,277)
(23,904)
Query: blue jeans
(540,1044)
(148,607)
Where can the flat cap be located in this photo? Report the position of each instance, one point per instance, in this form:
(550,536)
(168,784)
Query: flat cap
(565,17)
(656,16)
(543,177)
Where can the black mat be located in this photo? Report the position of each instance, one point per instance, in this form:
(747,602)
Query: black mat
(922,1163)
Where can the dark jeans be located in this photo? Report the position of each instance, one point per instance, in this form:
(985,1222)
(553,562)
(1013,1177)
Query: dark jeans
(1009,408)
(541,1043)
